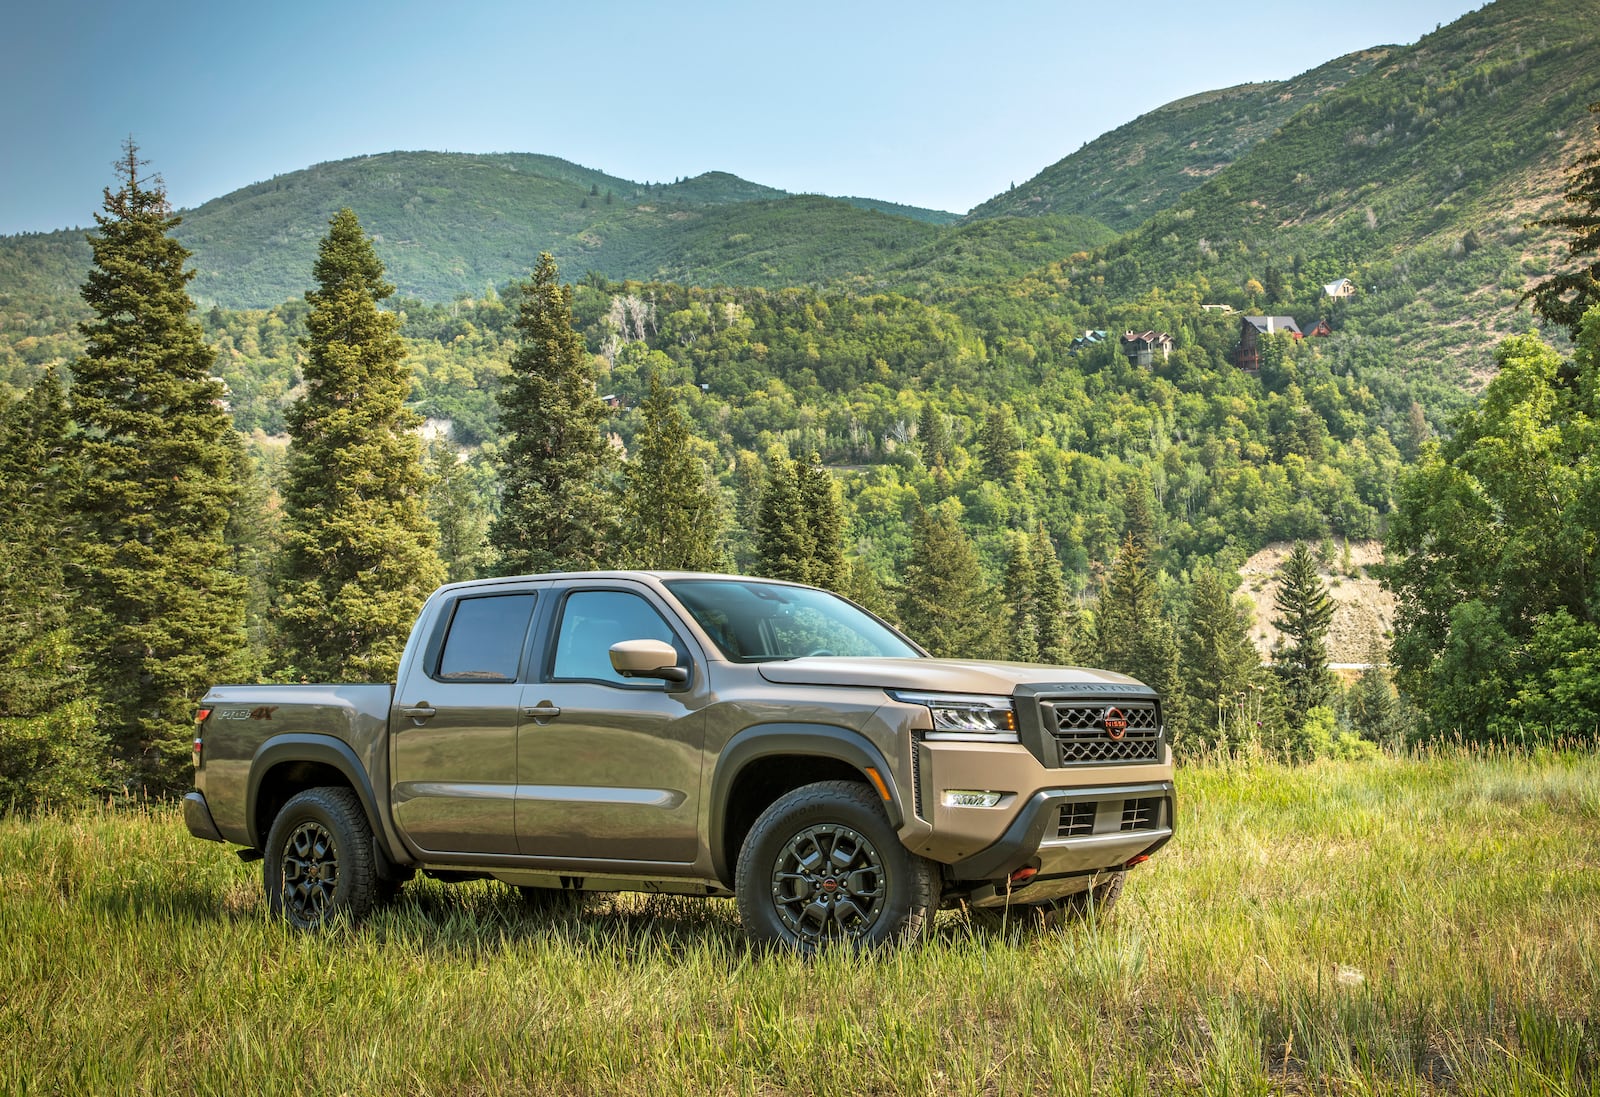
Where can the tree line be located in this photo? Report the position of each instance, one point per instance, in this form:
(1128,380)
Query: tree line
(145,558)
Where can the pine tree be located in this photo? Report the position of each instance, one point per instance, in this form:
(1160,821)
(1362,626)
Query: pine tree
(824,525)
(162,615)
(946,602)
(782,542)
(1220,664)
(456,509)
(556,507)
(50,747)
(1021,600)
(1564,298)
(1000,444)
(1134,634)
(1305,612)
(862,588)
(1055,614)
(933,436)
(359,557)
(672,517)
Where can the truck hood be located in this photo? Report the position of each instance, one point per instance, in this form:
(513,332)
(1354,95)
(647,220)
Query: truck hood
(941,675)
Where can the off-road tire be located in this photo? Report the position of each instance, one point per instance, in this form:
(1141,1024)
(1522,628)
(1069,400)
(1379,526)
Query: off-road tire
(822,865)
(1096,902)
(319,861)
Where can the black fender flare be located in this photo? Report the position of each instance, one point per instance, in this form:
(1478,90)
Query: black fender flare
(796,740)
(324,750)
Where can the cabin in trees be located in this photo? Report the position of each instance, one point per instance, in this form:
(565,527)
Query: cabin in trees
(1251,329)
(1090,338)
(1340,290)
(1318,330)
(1141,347)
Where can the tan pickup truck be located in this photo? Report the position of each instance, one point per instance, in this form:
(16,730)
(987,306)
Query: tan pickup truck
(691,734)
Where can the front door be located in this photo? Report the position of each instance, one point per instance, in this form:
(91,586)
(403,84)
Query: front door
(609,767)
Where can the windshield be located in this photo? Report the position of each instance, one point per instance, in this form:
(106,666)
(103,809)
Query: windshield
(758,622)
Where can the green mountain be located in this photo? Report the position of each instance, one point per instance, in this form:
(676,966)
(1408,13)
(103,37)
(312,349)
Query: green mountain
(1417,180)
(1135,171)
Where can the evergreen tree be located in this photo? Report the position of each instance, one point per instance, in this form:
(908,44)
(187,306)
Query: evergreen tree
(1021,599)
(456,509)
(933,436)
(782,544)
(946,602)
(824,526)
(862,588)
(556,508)
(162,614)
(1134,634)
(1563,298)
(50,747)
(1055,613)
(359,555)
(1220,664)
(1305,612)
(672,516)
(1000,444)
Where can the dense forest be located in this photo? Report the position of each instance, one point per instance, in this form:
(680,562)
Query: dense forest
(877,399)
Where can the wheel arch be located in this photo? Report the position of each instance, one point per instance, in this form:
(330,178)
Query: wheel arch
(764,762)
(290,764)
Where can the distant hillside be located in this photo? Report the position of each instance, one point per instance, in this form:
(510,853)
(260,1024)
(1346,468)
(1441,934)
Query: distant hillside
(448,224)
(1417,180)
(1137,170)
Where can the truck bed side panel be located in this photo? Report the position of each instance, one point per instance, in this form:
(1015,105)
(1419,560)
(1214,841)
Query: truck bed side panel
(244,719)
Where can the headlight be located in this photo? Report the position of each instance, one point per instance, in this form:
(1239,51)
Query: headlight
(964,716)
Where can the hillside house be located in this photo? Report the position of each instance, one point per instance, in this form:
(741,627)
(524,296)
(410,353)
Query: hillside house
(1340,290)
(1251,328)
(1141,346)
(1318,330)
(1088,339)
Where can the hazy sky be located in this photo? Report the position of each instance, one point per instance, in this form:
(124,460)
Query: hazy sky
(930,103)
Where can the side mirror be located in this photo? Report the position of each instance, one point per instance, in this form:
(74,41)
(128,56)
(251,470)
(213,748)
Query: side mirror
(647,659)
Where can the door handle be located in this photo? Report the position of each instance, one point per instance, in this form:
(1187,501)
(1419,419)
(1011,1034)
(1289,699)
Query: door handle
(544,710)
(420,711)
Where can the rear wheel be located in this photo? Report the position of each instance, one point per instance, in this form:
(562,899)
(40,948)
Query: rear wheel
(319,861)
(822,865)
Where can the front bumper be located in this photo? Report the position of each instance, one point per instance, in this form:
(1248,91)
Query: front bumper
(1077,831)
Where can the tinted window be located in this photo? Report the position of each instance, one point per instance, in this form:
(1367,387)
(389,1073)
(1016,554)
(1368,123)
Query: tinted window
(486,638)
(752,622)
(592,621)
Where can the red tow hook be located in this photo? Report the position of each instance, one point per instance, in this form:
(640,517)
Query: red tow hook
(1023,874)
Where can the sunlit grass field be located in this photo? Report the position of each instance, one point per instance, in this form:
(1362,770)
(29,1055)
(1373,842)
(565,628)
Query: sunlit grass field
(1421,925)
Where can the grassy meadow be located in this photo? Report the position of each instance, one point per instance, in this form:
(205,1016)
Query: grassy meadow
(1410,926)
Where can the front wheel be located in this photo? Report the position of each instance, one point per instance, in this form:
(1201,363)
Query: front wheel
(319,861)
(823,865)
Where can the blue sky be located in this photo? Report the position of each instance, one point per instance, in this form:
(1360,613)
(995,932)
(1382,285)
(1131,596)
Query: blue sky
(931,104)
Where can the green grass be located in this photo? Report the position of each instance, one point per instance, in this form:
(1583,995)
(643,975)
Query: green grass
(1407,926)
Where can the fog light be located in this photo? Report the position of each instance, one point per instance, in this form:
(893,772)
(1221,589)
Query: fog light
(954,798)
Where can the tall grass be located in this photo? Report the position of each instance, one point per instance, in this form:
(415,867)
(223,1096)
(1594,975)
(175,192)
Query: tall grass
(1414,926)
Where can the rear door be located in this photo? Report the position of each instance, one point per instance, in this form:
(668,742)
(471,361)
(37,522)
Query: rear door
(453,728)
(609,767)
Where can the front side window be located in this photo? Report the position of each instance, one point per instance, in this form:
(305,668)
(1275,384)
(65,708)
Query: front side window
(593,620)
(486,638)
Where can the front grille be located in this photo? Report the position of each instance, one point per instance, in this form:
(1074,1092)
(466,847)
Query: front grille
(1144,814)
(1082,736)
(1076,819)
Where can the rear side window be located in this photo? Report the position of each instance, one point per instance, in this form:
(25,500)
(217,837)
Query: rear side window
(592,621)
(485,640)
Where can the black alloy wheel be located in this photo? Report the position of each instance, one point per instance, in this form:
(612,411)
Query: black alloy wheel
(827,884)
(320,865)
(822,866)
